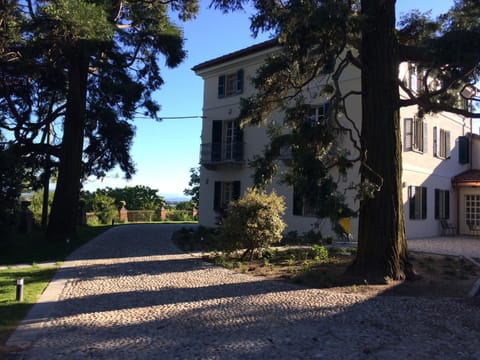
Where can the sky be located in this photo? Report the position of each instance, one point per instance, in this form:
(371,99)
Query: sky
(165,151)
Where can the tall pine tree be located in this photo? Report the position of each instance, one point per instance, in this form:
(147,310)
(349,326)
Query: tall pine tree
(99,63)
(363,35)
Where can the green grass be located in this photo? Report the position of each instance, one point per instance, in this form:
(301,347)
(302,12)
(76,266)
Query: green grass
(11,311)
(32,249)
(36,248)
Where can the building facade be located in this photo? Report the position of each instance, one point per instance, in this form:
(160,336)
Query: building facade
(440,183)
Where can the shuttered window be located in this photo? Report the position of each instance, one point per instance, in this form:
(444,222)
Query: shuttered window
(230,84)
(441,143)
(224,192)
(301,206)
(463,150)
(417,200)
(415,135)
(442,204)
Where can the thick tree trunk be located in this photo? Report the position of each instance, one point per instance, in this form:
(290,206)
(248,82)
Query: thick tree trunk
(382,247)
(63,216)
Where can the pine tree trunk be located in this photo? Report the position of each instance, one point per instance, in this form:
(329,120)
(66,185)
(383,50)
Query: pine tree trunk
(64,212)
(382,247)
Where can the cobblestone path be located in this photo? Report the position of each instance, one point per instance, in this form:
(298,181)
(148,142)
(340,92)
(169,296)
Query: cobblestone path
(130,294)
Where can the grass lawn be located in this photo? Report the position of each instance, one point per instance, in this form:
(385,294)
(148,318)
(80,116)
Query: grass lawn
(35,247)
(31,249)
(36,279)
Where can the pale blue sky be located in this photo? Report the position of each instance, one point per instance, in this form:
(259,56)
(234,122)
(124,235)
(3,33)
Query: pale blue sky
(165,151)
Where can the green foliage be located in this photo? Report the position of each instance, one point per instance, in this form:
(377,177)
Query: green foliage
(194,187)
(138,197)
(254,222)
(11,188)
(105,208)
(37,204)
(319,252)
(36,247)
(83,69)
(200,238)
(141,216)
(179,215)
(184,205)
(11,311)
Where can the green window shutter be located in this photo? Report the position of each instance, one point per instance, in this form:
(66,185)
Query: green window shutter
(408,133)
(216,140)
(221,86)
(424,202)
(217,196)
(447,204)
(447,144)
(411,201)
(463,150)
(297,202)
(425,138)
(437,204)
(436,141)
(236,190)
(239,88)
(326,108)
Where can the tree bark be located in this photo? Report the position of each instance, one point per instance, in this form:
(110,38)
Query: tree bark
(64,212)
(382,247)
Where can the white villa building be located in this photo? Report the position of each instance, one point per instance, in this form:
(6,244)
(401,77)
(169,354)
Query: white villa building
(441,171)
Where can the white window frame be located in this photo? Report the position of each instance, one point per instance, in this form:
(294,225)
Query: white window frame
(442,203)
(230,129)
(415,135)
(472,209)
(418,202)
(441,143)
(318,114)
(415,78)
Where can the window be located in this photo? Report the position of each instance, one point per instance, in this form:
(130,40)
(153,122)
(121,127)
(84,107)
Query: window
(301,206)
(472,209)
(224,192)
(442,204)
(227,141)
(417,199)
(318,114)
(441,143)
(230,84)
(415,134)
(467,105)
(415,78)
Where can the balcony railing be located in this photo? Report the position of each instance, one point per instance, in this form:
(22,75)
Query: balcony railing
(215,154)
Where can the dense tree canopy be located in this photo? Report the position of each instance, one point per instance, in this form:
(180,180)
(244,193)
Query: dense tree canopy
(194,187)
(80,71)
(363,35)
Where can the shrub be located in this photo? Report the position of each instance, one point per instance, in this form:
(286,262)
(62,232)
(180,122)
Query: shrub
(319,252)
(254,222)
(104,208)
(179,215)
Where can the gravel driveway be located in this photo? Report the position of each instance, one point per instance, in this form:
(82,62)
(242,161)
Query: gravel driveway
(131,294)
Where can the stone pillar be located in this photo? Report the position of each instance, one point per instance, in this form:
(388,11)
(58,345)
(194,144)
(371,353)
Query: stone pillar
(123,212)
(163,214)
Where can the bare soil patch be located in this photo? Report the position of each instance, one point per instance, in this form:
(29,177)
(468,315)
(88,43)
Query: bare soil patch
(440,275)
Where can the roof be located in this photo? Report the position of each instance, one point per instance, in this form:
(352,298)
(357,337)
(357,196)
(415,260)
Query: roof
(237,54)
(467,178)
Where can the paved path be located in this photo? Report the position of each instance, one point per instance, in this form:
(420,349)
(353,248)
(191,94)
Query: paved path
(449,245)
(130,294)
